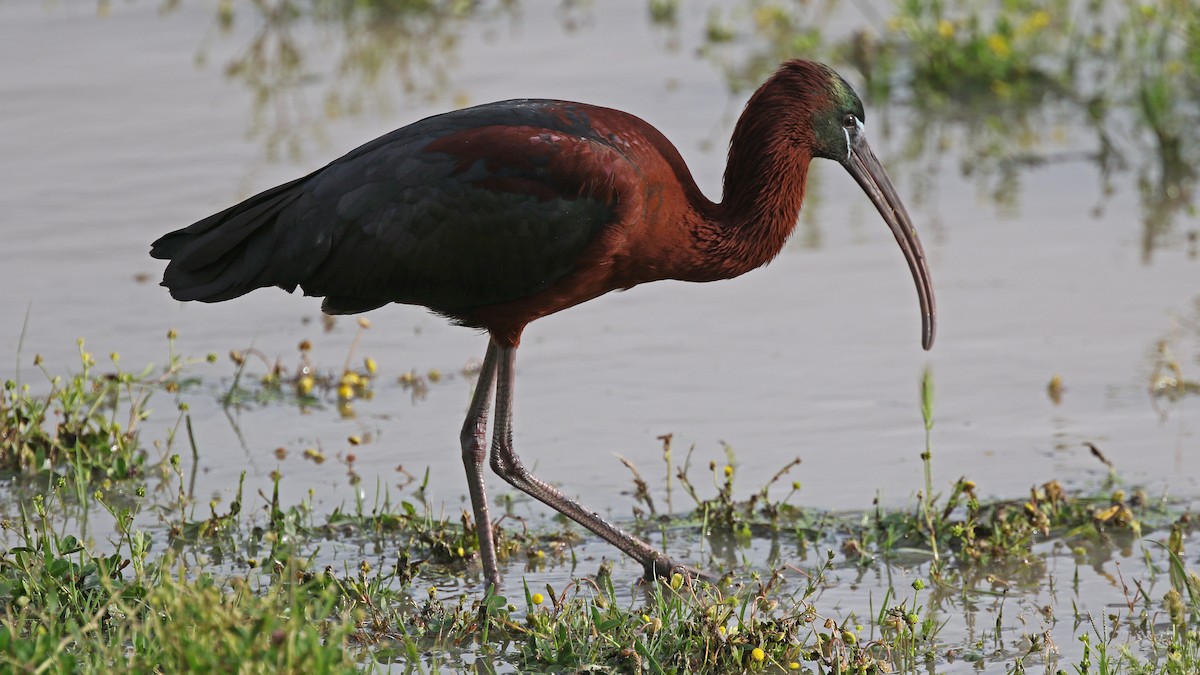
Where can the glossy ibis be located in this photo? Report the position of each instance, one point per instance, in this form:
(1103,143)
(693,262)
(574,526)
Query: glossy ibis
(496,215)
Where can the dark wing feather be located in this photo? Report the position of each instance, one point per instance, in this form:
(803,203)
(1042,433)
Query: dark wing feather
(457,211)
(219,257)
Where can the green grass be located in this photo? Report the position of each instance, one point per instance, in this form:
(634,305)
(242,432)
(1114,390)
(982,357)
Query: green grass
(86,424)
(67,609)
(284,588)
(65,606)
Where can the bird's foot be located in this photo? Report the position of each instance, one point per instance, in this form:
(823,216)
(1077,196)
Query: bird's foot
(662,567)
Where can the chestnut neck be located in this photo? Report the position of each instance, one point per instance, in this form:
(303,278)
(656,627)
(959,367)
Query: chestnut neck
(765,177)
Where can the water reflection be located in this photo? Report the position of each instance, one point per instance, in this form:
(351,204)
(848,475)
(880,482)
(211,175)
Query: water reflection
(1172,376)
(1038,82)
(1008,91)
(383,49)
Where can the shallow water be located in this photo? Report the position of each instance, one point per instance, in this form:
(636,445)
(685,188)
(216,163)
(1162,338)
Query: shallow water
(816,355)
(115,129)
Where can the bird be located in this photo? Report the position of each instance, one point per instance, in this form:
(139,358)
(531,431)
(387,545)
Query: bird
(496,215)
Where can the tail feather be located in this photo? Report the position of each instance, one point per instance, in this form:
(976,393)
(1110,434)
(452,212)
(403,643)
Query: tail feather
(226,254)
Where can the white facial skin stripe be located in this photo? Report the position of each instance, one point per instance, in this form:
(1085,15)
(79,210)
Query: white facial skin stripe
(859,125)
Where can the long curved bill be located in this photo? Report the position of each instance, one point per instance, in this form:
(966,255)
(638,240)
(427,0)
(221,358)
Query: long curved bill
(866,169)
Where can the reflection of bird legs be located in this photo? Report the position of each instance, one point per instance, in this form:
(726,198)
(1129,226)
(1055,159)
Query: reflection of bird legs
(497,374)
(237,431)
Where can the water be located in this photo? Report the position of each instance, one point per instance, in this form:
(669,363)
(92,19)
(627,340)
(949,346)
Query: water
(115,129)
(816,355)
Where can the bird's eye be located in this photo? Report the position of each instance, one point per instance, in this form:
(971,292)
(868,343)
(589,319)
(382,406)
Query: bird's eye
(850,121)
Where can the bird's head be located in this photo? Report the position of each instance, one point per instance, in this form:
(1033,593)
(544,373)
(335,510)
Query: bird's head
(826,119)
(829,115)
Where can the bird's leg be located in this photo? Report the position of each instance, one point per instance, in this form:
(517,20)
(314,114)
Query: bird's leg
(474,452)
(507,464)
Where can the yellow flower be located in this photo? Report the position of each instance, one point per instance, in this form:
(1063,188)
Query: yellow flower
(728,471)
(793,666)
(999,45)
(305,385)
(1034,23)
(758,654)
(537,598)
(945,29)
